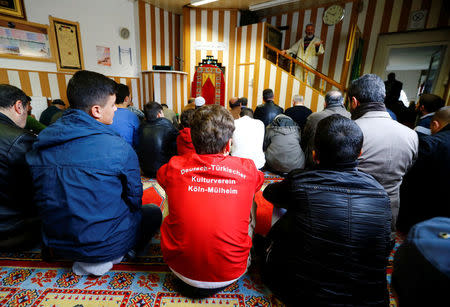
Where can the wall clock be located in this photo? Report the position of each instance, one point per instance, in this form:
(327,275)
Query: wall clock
(333,15)
(124,33)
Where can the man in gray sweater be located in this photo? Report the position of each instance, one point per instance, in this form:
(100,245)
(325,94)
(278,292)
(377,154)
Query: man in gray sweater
(333,105)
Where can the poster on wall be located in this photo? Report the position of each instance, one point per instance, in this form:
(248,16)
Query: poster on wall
(125,56)
(103,56)
(24,43)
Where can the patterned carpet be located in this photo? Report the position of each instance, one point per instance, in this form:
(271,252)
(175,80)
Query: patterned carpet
(26,280)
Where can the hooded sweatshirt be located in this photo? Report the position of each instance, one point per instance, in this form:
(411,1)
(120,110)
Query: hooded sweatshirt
(282,145)
(87,189)
(184,142)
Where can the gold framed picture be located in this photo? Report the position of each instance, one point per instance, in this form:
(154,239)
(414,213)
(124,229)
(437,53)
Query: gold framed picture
(67,44)
(12,8)
(23,40)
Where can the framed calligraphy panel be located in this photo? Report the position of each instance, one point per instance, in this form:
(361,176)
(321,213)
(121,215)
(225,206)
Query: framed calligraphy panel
(67,43)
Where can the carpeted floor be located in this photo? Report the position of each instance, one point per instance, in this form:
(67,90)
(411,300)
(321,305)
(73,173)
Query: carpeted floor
(26,280)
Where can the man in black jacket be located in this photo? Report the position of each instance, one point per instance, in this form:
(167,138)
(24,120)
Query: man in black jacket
(424,189)
(19,225)
(331,245)
(267,111)
(157,140)
(53,112)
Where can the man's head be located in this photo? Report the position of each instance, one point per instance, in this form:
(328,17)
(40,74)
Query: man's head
(14,104)
(211,129)
(234,102)
(365,89)
(186,118)
(309,30)
(94,94)
(440,119)
(338,140)
(429,103)
(333,98)
(391,76)
(297,100)
(243,101)
(268,95)
(123,95)
(153,110)
(59,104)
(199,102)
(246,112)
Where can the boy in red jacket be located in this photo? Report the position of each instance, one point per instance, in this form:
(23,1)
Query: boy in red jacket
(205,238)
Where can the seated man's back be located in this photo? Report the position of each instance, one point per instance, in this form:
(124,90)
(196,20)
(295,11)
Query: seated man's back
(389,148)
(330,247)
(426,184)
(19,225)
(267,111)
(87,179)
(205,238)
(282,145)
(248,138)
(125,122)
(52,113)
(157,140)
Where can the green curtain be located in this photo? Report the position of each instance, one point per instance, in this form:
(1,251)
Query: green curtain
(356,67)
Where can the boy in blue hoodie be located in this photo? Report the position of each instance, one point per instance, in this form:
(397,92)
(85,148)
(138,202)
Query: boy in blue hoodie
(87,182)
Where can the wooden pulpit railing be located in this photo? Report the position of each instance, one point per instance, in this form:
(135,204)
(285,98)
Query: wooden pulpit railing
(320,78)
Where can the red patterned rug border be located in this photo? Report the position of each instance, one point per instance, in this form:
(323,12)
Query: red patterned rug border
(162,295)
(126,294)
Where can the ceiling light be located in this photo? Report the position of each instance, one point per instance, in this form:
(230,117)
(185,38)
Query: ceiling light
(201,2)
(265,5)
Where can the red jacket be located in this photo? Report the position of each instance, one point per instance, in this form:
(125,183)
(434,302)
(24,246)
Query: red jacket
(205,236)
(184,142)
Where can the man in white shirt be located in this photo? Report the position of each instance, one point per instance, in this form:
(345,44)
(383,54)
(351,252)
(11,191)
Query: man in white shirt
(248,138)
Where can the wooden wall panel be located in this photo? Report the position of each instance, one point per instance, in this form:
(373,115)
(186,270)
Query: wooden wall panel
(51,80)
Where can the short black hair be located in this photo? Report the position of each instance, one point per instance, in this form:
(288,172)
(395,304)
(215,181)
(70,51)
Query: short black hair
(122,92)
(431,102)
(368,88)
(246,112)
(338,140)
(152,109)
(9,94)
(211,128)
(268,94)
(58,101)
(243,101)
(87,89)
(235,104)
(186,118)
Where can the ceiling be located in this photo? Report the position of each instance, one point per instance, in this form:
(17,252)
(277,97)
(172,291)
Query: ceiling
(176,6)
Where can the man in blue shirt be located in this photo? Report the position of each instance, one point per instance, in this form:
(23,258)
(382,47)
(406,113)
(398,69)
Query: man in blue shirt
(125,122)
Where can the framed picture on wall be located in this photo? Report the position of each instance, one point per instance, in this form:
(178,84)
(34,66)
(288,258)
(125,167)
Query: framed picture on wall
(23,40)
(67,44)
(12,8)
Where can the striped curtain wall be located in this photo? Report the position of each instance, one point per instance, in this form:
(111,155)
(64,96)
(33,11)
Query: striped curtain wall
(54,85)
